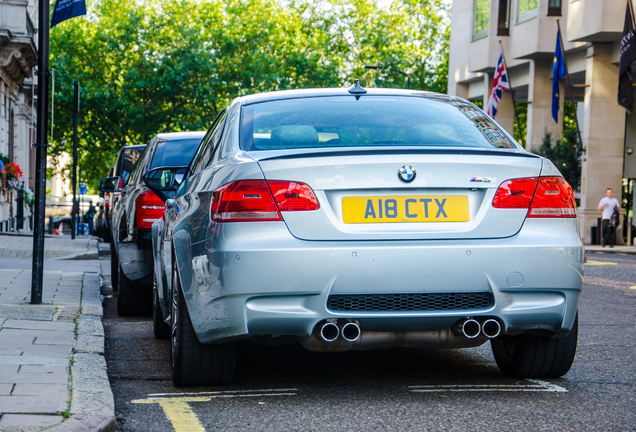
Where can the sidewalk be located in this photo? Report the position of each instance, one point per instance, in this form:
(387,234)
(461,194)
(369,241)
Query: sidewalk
(52,366)
(615,250)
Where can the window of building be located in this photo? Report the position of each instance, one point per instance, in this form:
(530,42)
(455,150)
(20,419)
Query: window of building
(503,18)
(554,7)
(482,13)
(527,9)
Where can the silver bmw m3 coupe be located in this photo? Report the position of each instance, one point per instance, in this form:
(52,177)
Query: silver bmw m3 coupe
(353,219)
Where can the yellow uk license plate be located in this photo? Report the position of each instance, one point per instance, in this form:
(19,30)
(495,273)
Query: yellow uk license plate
(407,208)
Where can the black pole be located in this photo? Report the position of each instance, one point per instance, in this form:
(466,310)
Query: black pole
(567,74)
(512,93)
(75,210)
(41,146)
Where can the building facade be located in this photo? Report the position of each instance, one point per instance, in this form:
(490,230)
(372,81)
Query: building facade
(527,32)
(18,57)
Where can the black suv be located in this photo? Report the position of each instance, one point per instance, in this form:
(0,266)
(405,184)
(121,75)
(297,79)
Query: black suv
(133,214)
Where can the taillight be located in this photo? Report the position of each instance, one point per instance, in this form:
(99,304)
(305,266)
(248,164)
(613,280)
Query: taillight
(516,193)
(293,196)
(253,200)
(543,196)
(553,198)
(149,208)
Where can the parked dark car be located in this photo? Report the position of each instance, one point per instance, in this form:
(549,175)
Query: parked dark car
(134,209)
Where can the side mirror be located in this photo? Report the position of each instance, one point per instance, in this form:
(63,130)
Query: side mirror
(165,179)
(109,184)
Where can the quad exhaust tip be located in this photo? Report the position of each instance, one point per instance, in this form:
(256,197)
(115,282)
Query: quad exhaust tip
(470,328)
(491,328)
(329,332)
(350,332)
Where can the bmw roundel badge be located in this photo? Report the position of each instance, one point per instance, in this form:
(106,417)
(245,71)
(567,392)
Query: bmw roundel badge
(407,173)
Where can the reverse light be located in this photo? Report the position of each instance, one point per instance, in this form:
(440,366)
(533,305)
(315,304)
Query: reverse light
(260,200)
(542,196)
(149,208)
(554,198)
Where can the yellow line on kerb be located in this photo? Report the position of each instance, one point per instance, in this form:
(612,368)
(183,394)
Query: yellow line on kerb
(179,413)
(591,262)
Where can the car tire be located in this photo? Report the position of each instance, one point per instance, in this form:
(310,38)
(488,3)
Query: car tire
(160,329)
(114,267)
(535,356)
(194,363)
(131,300)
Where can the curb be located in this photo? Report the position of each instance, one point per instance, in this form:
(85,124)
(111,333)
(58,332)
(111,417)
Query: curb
(92,402)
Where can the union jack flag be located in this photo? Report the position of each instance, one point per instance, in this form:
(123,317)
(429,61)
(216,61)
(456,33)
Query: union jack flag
(500,82)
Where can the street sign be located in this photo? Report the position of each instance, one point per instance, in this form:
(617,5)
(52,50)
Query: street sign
(83,189)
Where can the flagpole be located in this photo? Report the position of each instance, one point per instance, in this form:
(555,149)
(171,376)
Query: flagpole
(567,74)
(512,93)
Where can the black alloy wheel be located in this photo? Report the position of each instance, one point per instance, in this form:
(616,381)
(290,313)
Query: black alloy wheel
(535,356)
(114,267)
(160,329)
(194,363)
(132,299)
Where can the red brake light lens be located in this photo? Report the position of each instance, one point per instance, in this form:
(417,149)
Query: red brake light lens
(293,196)
(553,198)
(260,200)
(149,208)
(516,193)
(543,196)
(244,201)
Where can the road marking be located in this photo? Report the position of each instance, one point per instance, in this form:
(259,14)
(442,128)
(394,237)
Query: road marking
(591,262)
(633,287)
(228,394)
(536,386)
(179,413)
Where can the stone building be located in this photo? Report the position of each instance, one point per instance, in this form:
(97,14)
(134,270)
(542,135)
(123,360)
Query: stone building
(18,58)
(527,31)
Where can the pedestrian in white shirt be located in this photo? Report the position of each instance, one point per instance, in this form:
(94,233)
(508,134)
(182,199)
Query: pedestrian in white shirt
(608,204)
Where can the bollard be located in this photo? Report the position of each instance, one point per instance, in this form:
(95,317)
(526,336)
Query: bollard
(50,224)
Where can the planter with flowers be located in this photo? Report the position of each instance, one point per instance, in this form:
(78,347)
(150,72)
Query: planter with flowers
(15,177)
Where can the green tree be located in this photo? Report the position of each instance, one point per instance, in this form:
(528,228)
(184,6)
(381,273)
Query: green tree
(152,66)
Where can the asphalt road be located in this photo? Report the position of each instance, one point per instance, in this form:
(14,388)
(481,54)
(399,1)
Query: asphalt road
(289,389)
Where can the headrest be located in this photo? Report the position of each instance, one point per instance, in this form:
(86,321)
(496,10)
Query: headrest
(294,136)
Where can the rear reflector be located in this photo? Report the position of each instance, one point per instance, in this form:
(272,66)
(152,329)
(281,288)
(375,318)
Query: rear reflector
(259,200)
(149,208)
(543,196)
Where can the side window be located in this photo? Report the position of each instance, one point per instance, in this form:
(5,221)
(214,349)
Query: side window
(209,144)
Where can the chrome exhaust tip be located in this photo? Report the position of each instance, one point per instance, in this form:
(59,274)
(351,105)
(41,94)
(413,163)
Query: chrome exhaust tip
(350,332)
(491,328)
(470,328)
(329,332)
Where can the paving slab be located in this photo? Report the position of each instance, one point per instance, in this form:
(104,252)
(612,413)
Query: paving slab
(29,421)
(37,325)
(32,404)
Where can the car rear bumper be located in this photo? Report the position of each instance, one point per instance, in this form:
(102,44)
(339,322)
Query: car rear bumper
(265,282)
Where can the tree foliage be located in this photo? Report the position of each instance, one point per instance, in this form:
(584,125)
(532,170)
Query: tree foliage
(150,66)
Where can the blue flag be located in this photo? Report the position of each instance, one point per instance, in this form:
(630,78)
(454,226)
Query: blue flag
(66,9)
(558,71)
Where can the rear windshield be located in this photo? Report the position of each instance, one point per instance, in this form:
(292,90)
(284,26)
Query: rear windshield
(347,121)
(177,153)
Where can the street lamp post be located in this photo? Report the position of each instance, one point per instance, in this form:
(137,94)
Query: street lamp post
(41,147)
